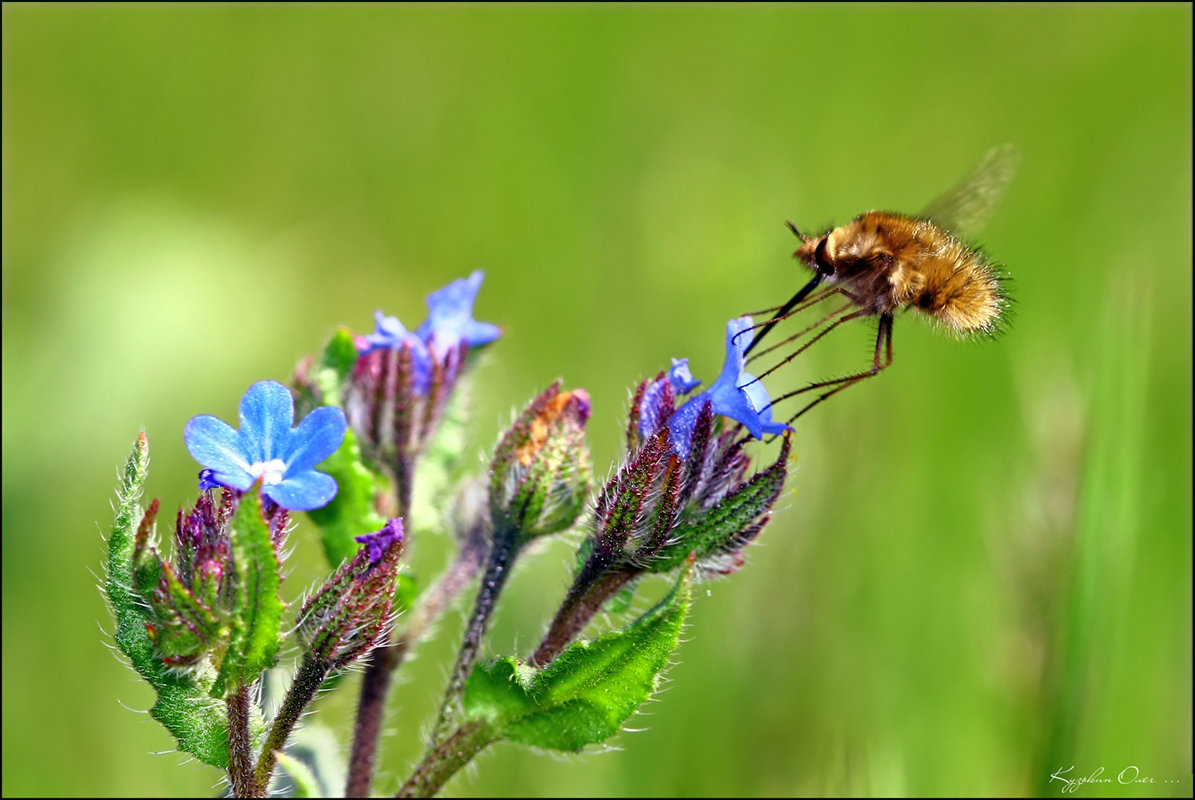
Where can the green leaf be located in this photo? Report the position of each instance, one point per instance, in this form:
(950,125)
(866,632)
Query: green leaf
(257,608)
(304,780)
(314,762)
(352,512)
(184,706)
(585,695)
(187,628)
(340,354)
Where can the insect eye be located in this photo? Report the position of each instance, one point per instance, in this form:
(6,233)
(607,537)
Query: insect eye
(820,259)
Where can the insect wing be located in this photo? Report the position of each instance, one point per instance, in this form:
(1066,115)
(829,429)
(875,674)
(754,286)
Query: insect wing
(966,209)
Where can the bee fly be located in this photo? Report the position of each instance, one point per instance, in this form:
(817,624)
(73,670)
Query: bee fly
(881,262)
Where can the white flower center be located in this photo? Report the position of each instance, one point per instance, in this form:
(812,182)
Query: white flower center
(271,472)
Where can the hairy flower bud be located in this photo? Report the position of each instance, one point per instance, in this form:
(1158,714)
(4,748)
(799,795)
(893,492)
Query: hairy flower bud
(348,615)
(540,474)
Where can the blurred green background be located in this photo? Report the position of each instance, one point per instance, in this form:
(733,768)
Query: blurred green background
(982,573)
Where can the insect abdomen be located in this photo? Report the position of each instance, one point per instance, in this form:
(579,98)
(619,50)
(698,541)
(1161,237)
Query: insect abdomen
(961,291)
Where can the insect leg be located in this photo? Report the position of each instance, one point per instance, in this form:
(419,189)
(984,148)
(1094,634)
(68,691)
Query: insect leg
(833,324)
(843,309)
(879,362)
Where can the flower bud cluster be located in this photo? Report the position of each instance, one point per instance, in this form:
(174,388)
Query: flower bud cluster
(402,381)
(191,598)
(682,488)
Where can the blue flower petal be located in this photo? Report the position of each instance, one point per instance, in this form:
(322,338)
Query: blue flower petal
(682,379)
(267,415)
(219,447)
(318,436)
(389,326)
(388,332)
(736,345)
(475,333)
(303,491)
(736,394)
(650,408)
(730,401)
(757,395)
(450,316)
(682,423)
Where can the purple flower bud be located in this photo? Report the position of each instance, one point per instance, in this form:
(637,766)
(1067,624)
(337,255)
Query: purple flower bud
(347,616)
(379,542)
(190,598)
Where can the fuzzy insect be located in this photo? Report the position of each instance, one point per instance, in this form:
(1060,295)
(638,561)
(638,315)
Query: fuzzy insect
(882,262)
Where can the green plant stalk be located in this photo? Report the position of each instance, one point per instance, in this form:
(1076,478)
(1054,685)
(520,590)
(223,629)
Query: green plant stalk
(583,602)
(506,549)
(386,659)
(447,758)
(240,753)
(302,691)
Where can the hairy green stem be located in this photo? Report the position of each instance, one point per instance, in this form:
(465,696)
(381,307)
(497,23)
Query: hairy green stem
(446,759)
(240,753)
(584,600)
(387,658)
(497,571)
(306,683)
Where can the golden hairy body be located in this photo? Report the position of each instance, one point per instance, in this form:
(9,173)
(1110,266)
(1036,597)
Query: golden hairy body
(885,262)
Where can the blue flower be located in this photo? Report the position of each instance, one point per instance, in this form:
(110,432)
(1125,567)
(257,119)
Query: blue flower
(682,379)
(449,324)
(450,316)
(269,449)
(654,404)
(735,394)
(390,333)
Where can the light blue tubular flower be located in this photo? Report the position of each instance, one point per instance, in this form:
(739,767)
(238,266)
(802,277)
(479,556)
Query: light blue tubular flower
(450,316)
(654,405)
(403,381)
(269,449)
(682,379)
(735,394)
(389,333)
